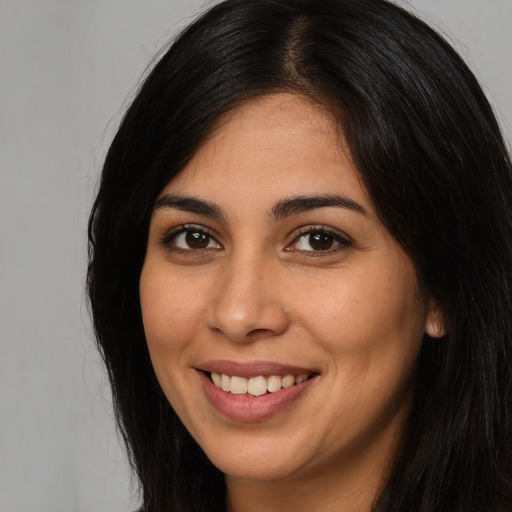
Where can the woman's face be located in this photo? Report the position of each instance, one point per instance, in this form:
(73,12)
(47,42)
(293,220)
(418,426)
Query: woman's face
(268,270)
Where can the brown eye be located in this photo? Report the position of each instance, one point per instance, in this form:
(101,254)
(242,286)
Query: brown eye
(320,241)
(317,241)
(194,240)
(197,240)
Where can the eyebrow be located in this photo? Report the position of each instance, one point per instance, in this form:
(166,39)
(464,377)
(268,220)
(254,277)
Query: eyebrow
(282,209)
(295,205)
(189,204)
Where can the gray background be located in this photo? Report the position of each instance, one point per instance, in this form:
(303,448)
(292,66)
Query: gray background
(67,68)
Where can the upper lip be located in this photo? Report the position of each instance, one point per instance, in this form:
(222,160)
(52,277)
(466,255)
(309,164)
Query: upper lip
(253,369)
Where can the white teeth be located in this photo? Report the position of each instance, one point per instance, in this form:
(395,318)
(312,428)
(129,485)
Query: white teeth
(217,379)
(274,383)
(288,381)
(225,382)
(238,385)
(256,386)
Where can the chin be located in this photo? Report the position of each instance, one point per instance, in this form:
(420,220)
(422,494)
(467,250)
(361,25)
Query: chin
(258,460)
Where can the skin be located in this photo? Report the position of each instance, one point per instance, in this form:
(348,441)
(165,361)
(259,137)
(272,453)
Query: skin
(261,289)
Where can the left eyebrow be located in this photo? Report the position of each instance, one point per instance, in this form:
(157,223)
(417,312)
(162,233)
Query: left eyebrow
(295,205)
(189,204)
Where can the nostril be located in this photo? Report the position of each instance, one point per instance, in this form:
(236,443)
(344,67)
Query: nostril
(258,334)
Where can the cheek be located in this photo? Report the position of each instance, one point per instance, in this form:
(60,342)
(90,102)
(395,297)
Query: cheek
(171,312)
(370,327)
(365,312)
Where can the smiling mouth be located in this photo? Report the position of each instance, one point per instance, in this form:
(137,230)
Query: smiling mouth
(256,386)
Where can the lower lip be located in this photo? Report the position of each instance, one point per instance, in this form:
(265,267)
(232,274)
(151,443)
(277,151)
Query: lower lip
(248,408)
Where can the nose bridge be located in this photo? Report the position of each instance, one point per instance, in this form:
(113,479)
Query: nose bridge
(246,306)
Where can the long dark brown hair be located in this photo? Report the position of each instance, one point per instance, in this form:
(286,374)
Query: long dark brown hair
(429,151)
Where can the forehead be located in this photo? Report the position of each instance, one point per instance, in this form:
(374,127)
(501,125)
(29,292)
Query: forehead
(273,146)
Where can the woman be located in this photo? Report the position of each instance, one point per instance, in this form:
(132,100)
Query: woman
(300,260)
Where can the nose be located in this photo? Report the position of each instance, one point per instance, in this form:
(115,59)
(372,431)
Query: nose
(247,305)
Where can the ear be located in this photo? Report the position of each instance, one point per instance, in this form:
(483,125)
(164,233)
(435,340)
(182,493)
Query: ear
(435,324)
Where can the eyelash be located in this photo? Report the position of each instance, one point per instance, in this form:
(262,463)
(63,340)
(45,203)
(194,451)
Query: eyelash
(342,241)
(169,239)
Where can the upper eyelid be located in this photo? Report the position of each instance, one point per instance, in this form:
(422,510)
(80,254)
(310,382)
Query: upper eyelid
(168,234)
(319,228)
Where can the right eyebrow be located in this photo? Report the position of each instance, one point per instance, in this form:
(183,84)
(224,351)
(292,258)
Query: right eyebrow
(189,204)
(295,205)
